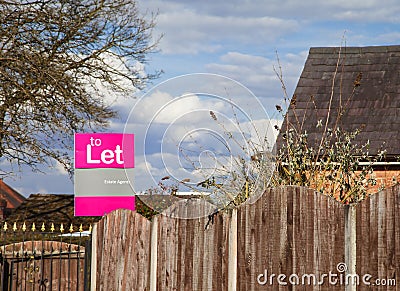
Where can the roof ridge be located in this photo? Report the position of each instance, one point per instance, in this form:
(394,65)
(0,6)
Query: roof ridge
(355,49)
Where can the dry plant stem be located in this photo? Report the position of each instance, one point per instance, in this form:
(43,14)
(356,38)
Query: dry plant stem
(329,106)
(333,168)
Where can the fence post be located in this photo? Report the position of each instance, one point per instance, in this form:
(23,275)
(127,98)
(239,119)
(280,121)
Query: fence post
(232,252)
(93,267)
(87,264)
(350,245)
(153,253)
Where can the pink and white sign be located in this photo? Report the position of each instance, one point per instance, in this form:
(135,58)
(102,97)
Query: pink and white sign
(98,206)
(104,150)
(101,163)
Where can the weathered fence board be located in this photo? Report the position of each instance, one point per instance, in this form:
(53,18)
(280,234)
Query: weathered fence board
(123,252)
(193,253)
(290,232)
(378,238)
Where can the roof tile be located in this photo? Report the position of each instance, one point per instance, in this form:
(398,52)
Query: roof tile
(375,103)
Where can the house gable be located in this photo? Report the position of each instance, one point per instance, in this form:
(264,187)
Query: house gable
(12,197)
(359,84)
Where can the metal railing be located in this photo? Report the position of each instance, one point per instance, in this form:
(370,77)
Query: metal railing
(45,257)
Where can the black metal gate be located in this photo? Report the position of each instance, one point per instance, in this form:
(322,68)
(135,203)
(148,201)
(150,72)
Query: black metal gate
(39,260)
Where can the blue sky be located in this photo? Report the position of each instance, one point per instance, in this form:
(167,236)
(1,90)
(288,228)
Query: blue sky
(237,40)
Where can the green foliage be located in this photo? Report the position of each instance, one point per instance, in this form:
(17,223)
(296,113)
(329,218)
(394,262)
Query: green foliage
(339,167)
(334,164)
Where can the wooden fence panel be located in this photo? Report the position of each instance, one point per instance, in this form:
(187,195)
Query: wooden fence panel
(289,230)
(193,253)
(123,252)
(378,239)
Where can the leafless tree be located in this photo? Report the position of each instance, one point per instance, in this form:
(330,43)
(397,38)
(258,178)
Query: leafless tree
(54,57)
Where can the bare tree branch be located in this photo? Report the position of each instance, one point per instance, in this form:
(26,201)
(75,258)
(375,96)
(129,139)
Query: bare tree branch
(53,55)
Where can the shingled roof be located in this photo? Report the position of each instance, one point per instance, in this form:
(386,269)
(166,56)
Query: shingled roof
(59,208)
(49,208)
(366,87)
(13,198)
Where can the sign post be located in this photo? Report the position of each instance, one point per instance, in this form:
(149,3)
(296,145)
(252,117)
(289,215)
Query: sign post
(104,165)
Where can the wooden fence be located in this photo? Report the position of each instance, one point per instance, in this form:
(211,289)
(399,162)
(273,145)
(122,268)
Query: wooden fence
(290,238)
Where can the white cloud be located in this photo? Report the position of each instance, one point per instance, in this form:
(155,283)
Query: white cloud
(197,155)
(203,155)
(192,27)
(181,138)
(293,9)
(32,182)
(189,32)
(162,107)
(257,73)
(59,169)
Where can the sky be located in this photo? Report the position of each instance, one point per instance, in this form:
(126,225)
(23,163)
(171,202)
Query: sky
(222,56)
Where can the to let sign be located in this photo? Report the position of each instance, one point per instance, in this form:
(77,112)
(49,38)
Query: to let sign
(104,150)
(104,165)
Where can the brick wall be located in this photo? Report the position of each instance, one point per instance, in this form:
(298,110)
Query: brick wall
(385,179)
